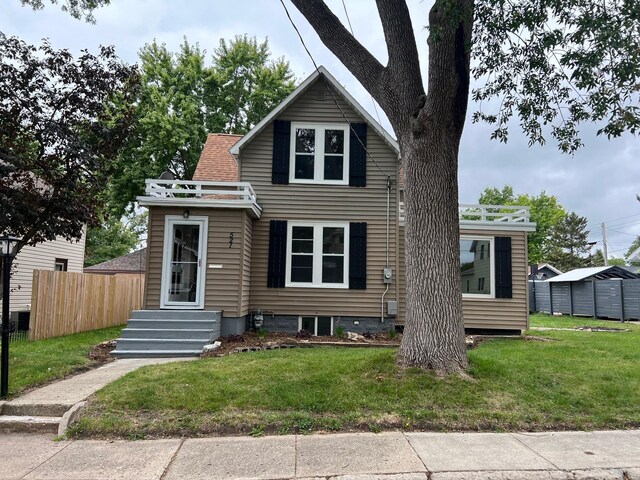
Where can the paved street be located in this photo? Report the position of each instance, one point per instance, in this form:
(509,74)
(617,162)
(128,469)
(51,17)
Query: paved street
(391,455)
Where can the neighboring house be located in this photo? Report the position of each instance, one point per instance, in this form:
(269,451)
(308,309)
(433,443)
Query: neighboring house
(299,224)
(133,263)
(59,255)
(545,272)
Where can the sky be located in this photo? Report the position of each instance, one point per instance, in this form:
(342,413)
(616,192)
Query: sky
(599,182)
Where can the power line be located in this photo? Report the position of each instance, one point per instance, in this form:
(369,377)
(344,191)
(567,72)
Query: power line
(615,220)
(623,233)
(335,100)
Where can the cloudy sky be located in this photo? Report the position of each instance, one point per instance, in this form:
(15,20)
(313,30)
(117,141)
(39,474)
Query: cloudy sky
(600,182)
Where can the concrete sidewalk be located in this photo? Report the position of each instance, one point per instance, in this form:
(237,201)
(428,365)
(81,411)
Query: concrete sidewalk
(43,408)
(392,455)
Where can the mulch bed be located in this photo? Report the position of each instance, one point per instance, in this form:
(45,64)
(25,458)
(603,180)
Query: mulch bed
(101,353)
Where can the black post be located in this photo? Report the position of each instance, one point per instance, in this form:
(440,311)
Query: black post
(4,370)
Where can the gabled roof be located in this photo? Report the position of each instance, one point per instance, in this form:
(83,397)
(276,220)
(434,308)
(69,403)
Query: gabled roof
(133,262)
(310,80)
(635,256)
(216,164)
(599,273)
(550,267)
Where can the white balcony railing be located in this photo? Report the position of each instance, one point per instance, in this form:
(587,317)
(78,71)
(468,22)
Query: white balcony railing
(477,214)
(195,192)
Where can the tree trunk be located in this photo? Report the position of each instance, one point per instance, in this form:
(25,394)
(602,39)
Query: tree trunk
(429,129)
(434,330)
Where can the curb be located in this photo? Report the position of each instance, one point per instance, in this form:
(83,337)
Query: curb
(69,417)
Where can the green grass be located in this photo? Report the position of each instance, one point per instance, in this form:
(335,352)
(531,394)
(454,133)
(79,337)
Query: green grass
(557,380)
(38,362)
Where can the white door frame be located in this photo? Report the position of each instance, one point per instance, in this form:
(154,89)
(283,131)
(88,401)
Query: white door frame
(169,222)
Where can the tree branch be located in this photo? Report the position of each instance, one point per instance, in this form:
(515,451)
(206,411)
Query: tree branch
(400,39)
(364,66)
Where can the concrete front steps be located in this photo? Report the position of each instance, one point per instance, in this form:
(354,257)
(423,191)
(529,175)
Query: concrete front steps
(31,418)
(167,333)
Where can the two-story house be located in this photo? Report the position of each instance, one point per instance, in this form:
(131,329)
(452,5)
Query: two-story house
(299,224)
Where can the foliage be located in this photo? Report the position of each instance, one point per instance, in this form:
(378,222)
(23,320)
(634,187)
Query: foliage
(555,64)
(632,248)
(568,245)
(339,331)
(76,8)
(545,211)
(181,99)
(573,380)
(597,260)
(247,86)
(40,361)
(60,128)
(114,238)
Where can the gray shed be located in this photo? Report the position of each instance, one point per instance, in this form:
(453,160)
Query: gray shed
(605,292)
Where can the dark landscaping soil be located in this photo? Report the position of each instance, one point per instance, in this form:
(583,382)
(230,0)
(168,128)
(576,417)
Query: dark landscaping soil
(101,353)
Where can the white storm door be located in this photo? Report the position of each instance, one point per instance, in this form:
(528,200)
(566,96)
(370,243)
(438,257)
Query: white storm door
(183,266)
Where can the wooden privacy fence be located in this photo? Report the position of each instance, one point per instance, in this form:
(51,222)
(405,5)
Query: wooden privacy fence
(65,302)
(616,298)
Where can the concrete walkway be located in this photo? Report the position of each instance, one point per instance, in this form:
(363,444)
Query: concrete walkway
(392,456)
(42,409)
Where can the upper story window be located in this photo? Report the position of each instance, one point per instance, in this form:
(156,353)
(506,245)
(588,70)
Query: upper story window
(319,154)
(477,266)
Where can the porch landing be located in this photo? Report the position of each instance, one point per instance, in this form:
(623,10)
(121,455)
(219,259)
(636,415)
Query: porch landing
(167,333)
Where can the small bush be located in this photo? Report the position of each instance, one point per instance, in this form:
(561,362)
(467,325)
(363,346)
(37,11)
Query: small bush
(340,331)
(261,333)
(392,333)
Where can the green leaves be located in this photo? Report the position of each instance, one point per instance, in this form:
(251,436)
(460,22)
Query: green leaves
(554,64)
(60,128)
(181,99)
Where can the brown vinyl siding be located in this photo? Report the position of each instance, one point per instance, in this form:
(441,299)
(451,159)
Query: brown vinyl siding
(222,286)
(496,313)
(246,265)
(302,202)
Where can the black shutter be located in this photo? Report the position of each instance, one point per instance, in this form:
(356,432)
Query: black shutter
(281,152)
(277,253)
(503,267)
(358,155)
(358,256)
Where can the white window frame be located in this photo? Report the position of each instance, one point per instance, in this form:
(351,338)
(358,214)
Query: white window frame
(317,254)
(492,267)
(315,323)
(318,161)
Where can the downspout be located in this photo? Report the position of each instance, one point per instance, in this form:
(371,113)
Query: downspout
(387,251)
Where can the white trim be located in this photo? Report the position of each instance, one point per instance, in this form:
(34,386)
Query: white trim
(319,155)
(254,208)
(317,254)
(235,149)
(492,268)
(169,221)
(500,226)
(315,323)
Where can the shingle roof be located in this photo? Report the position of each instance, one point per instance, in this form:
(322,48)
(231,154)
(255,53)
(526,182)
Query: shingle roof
(216,164)
(132,262)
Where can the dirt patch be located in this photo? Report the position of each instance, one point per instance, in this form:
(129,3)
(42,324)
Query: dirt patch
(101,353)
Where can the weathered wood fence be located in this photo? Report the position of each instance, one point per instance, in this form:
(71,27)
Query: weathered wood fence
(617,299)
(65,302)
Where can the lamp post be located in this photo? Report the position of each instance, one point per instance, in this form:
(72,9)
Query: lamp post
(5,248)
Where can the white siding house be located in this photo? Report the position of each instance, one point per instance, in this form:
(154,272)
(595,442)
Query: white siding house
(58,254)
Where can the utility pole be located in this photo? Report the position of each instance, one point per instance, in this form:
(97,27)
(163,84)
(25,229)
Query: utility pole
(604,245)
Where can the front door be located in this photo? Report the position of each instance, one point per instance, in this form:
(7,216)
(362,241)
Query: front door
(184,262)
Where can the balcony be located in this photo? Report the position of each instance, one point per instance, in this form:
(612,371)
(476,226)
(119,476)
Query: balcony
(487,217)
(194,193)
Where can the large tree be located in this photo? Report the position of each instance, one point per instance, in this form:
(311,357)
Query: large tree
(544,210)
(181,99)
(568,244)
(550,62)
(114,237)
(60,128)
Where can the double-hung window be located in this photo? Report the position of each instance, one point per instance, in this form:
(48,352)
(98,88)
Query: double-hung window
(319,154)
(477,266)
(317,255)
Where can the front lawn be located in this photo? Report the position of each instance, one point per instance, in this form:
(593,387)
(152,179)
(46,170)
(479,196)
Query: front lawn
(38,362)
(555,380)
